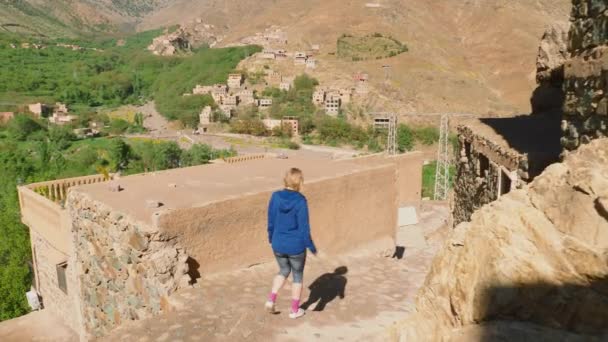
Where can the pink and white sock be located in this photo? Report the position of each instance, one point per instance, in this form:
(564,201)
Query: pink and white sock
(295,305)
(272,297)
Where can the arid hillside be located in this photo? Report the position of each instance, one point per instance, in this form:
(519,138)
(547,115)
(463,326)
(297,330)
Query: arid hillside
(69,18)
(464,56)
(474,56)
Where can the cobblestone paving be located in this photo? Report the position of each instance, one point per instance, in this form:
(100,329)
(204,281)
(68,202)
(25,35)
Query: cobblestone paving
(229,307)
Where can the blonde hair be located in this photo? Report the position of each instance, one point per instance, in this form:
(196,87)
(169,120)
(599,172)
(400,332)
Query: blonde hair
(294,179)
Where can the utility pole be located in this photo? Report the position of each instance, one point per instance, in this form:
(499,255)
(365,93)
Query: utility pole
(442,174)
(387,73)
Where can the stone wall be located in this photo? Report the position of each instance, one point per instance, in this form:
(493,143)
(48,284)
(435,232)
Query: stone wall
(46,258)
(126,269)
(585,85)
(346,212)
(474,188)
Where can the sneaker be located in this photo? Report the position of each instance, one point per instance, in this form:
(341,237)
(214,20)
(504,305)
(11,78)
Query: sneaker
(269,306)
(294,315)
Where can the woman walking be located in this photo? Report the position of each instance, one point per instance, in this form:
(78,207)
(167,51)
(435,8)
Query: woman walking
(289,235)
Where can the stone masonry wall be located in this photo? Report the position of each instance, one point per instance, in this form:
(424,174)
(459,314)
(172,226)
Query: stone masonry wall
(586,75)
(472,189)
(127,269)
(54,299)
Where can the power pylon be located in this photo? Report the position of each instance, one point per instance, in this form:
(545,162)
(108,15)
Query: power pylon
(442,174)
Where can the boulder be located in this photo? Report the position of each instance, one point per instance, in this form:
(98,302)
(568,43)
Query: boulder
(533,262)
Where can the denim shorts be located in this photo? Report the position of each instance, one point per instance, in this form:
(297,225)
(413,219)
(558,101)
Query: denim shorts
(291,264)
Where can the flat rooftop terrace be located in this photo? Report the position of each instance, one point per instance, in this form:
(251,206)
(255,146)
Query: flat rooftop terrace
(537,136)
(201,185)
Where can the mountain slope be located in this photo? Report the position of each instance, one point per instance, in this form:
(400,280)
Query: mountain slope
(464,56)
(69,18)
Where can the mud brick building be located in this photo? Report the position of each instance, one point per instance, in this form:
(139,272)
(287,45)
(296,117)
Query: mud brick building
(109,251)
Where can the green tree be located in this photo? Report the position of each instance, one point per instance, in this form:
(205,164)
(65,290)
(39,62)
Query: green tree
(167,156)
(119,154)
(405,138)
(22,126)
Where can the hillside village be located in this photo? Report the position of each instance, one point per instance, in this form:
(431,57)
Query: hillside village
(137,173)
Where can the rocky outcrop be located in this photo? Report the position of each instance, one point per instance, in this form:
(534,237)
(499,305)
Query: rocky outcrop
(531,266)
(552,53)
(185,38)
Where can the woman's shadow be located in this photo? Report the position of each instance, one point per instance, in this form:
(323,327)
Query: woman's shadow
(326,288)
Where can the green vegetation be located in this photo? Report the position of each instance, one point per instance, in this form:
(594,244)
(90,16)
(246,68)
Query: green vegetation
(89,79)
(295,102)
(30,152)
(375,46)
(205,67)
(428,179)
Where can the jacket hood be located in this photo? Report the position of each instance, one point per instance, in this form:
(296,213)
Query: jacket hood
(287,200)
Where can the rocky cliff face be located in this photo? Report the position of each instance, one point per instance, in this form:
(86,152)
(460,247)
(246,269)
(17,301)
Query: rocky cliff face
(531,266)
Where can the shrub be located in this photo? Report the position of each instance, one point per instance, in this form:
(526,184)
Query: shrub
(405,138)
(426,135)
(292,145)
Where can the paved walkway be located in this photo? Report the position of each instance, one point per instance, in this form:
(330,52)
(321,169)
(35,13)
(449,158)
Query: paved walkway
(36,326)
(229,307)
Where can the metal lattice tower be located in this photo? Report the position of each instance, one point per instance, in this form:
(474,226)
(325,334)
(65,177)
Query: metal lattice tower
(387,73)
(391,144)
(442,174)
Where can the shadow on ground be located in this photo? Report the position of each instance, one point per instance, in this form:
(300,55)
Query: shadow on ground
(326,288)
(541,312)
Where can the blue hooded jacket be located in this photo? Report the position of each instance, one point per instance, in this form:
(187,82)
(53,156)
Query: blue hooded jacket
(288,226)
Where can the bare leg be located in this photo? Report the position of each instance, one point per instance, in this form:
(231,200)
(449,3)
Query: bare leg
(278,283)
(296,291)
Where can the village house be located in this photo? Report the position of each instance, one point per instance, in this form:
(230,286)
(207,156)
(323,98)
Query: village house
(202,90)
(102,258)
(204,119)
(219,93)
(38,109)
(61,116)
(245,97)
(311,63)
(300,58)
(230,100)
(273,77)
(318,97)
(332,103)
(235,81)
(345,95)
(205,116)
(286,83)
(228,109)
(267,54)
(280,54)
(264,103)
(293,123)
(6,117)
(290,122)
